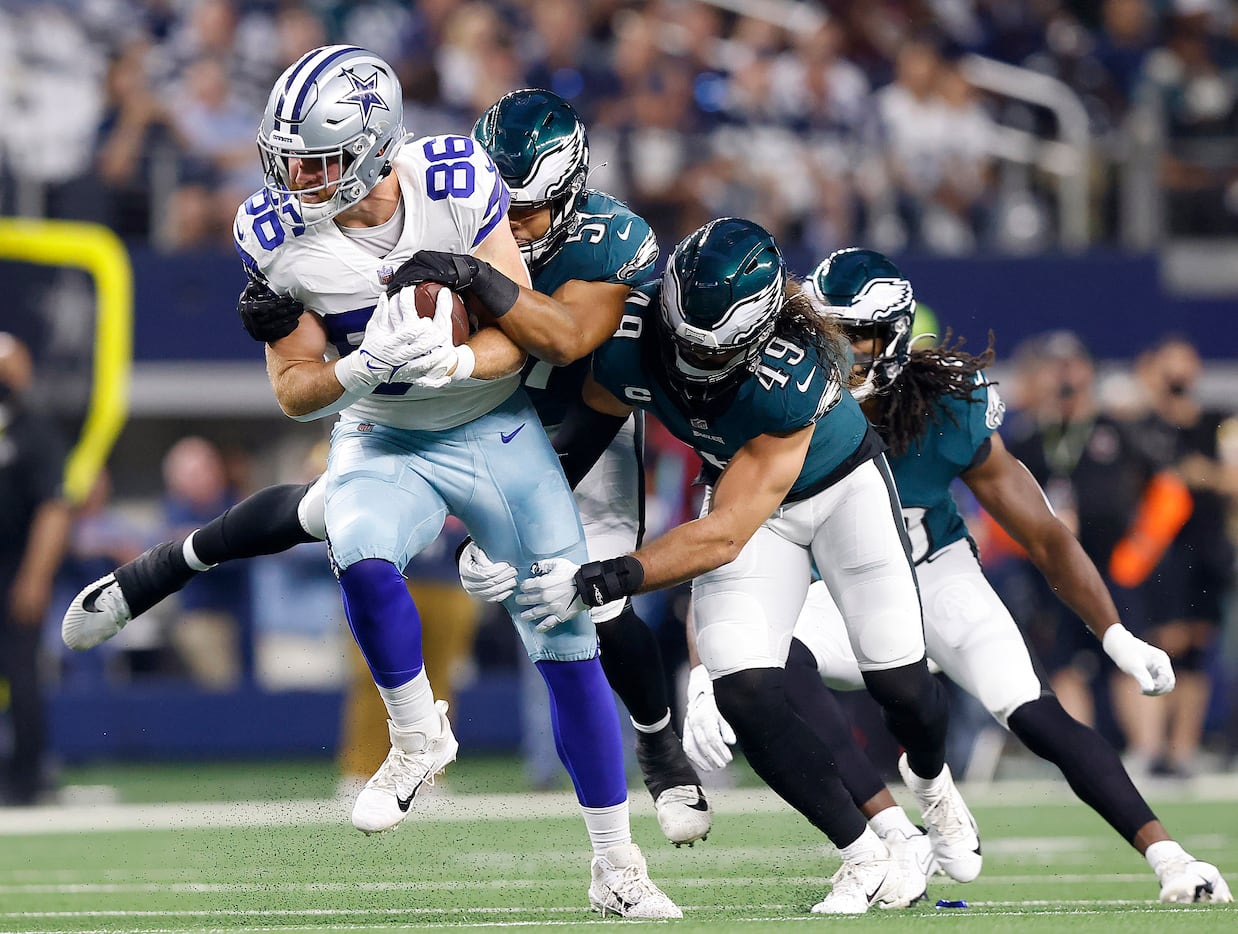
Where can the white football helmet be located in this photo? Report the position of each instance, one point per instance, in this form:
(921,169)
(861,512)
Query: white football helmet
(338,104)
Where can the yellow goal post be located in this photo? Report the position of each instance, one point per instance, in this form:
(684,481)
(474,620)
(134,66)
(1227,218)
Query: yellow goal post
(100,253)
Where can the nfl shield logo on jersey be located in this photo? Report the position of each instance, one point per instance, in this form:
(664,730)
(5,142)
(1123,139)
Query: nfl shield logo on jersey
(385,275)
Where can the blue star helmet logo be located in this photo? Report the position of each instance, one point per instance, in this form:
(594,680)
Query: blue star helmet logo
(364,94)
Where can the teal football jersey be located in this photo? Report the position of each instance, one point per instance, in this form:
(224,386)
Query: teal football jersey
(956,430)
(608,243)
(791,389)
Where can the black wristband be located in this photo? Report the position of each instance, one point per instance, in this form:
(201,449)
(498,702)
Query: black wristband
(468,540)
(494,290)
(601,582)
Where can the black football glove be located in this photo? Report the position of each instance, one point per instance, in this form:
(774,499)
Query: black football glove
(266,316)
(459,272)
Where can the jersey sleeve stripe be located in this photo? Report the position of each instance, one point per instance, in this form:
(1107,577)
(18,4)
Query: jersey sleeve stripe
(503,198)
(251,264)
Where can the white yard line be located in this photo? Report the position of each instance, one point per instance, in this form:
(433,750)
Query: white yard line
(78,818)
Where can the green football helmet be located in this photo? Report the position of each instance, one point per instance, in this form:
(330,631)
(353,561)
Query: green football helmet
(871,300)
(538,143)
(722,291)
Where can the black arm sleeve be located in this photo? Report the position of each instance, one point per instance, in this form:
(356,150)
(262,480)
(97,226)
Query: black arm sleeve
(581,439)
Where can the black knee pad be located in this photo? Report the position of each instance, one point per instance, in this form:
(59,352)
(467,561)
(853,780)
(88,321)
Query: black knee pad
(1042,724)
(908,687)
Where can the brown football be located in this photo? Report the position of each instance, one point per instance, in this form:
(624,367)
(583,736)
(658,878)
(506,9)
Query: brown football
(424,296)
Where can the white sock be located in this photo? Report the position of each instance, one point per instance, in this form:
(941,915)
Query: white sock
(1158,854)
(893,820)
(868,844)
(411,705)
(191,557)
(657,727)
(608,827)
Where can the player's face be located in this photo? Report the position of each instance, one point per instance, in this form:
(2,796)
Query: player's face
(865,348)
(529,222)
(314,176)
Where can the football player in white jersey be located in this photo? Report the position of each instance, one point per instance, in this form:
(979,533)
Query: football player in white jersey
(426,428)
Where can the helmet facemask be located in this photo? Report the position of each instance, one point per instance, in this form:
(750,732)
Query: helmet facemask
(882,368)
(866,293)
(562,217)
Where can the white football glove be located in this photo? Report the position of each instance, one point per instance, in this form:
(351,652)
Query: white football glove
(707,737)
(552,593)
(389,344)
(1145,663)
(442,363)
(492,581)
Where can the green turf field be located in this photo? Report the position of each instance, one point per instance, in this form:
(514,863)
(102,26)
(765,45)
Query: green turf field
(478,860)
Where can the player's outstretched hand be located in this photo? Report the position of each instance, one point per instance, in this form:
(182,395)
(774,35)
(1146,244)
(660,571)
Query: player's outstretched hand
(266,316)
(551,593)
(1145,663)
(492,581)
(707,737)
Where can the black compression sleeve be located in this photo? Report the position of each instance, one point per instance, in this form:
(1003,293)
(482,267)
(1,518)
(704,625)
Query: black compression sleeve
(582,438)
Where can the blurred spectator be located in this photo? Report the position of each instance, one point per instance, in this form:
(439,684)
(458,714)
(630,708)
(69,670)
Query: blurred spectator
(937,140)
(34,530)
(1192,81)
(476,62)
(53,91)
(1126,36)
(219,169)
(133,135)
(564,58)
(102,536)
(1190,585)
(213,632)
(1097,473)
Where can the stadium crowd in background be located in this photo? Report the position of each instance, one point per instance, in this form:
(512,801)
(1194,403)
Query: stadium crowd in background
(846,123)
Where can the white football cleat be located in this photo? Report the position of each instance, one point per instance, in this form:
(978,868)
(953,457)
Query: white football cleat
(684,814)
(951,828)
(621,886)
(916,864)
(1184,881)
(861,883)
(96,614)
(414,760)
(683,811)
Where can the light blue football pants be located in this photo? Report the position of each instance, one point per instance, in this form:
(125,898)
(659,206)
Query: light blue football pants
(389,490)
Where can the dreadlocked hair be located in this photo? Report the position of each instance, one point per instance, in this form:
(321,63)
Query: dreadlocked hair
(800,321)
(904,411)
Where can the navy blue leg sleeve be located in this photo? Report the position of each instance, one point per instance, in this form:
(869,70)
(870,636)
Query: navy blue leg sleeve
(586,730)
(384,620)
